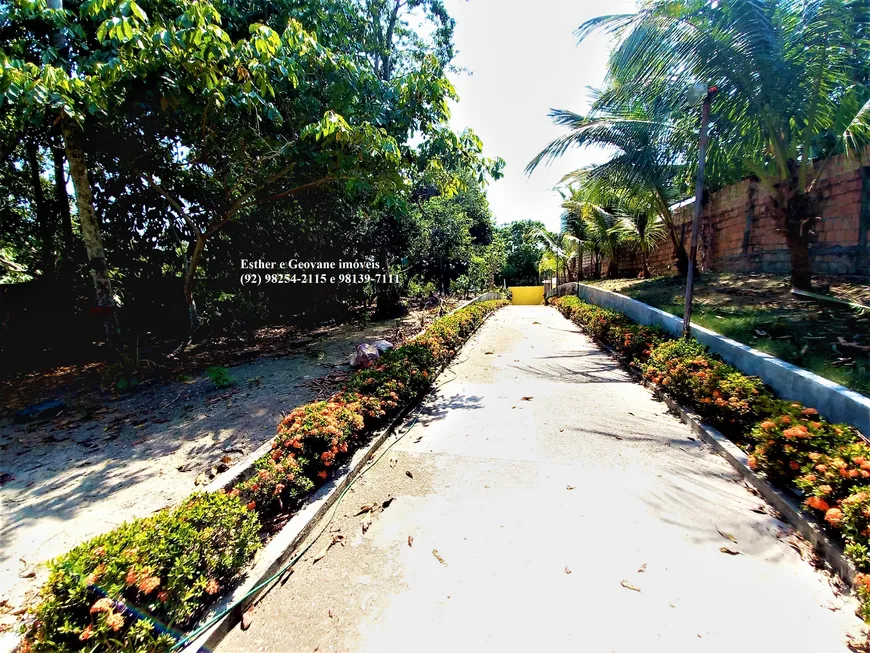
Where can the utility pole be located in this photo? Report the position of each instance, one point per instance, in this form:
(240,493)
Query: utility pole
(696,209)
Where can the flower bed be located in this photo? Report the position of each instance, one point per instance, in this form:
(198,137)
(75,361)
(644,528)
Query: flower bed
(828,464)
(137,587)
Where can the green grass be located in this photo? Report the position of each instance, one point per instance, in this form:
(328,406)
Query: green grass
(758,310)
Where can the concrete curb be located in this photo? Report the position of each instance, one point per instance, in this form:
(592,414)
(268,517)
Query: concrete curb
(285,542)
(835,402)
(786,505)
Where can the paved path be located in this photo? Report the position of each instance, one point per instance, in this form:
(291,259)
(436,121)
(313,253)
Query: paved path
(582,519)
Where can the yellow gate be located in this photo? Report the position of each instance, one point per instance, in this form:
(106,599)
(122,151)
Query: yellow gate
(527,295)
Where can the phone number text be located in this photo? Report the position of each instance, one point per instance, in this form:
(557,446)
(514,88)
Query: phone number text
(254,279)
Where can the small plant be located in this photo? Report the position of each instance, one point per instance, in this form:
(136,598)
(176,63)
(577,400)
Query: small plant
(220,376)
(124,374)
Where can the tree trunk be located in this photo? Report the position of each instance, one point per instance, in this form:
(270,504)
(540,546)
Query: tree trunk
(682,258)
(798,224)
(44,218)
(75,155)
(190,282)
(61,201)
(644,257)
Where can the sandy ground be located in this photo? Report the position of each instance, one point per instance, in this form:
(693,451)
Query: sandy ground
(544,502)
(87,471)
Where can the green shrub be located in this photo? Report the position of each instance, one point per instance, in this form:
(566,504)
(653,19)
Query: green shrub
(792,438)
(167,565)
(720,393)
(854,520)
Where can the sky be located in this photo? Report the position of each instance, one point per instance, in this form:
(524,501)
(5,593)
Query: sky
(523,60)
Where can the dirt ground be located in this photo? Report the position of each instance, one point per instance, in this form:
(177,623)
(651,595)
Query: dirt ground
(105,460)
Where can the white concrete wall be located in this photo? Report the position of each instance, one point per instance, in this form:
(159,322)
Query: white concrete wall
(835,402)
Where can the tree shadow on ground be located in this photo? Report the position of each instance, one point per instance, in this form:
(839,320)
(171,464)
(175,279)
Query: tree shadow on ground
(439,405)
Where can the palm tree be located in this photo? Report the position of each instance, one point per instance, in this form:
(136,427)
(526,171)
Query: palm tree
(645,162)
(641,230)
(792,77)
(590,226)
(556,251)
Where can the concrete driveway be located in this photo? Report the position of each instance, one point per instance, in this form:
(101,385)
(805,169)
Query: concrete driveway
(544,502)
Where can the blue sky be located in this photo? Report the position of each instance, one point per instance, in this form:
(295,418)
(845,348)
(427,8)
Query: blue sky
(524,60)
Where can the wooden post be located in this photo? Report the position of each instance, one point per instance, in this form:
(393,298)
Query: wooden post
(696,210)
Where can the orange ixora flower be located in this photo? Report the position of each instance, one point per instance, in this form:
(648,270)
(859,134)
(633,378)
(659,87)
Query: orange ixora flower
(148,584)
(99,551)
(87,633)
(115,621)
(102,605)
(752,461)
(96,574)
(768,425)
(132,576)
(834,516)
(818,504)
(809,412)
(163,596)
(212,587)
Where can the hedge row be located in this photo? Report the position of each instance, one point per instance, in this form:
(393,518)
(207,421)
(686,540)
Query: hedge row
(137,587)
(827,464)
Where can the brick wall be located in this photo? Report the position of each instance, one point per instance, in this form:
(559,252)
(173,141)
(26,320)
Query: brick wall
(738,232)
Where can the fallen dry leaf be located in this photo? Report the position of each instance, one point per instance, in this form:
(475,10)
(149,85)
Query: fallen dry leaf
(247,618)
(393,461)
(727,536)
(409,474)
(797,548)
(760,510)
(330,613)
(629,586)
(567,571)
(368,507)
(410,540)
(438,557)
(386,504)
(642,568)
(731,552)
(535,322)
(487,353)
(321,554)
(202,479)
(366,522)
(570,487)
(526,398)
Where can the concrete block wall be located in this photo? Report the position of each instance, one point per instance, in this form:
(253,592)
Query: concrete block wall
(739,232)
(835,402)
